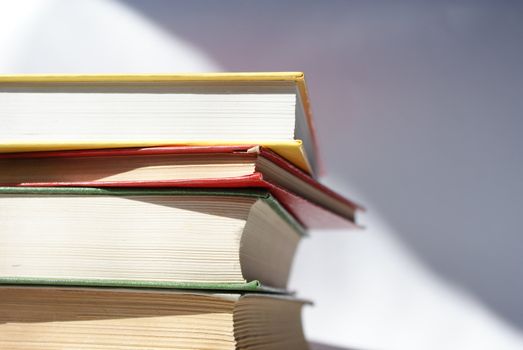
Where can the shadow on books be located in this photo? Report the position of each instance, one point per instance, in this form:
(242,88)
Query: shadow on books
(322,346)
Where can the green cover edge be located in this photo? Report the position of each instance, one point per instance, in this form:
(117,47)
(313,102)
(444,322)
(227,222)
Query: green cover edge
(288,217)
(252,286)
(110,191)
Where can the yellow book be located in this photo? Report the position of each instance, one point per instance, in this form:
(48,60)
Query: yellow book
(59,112)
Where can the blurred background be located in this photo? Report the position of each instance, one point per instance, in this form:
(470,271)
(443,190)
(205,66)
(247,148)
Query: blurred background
(419,113)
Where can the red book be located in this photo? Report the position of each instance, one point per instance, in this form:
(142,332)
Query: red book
(313,204)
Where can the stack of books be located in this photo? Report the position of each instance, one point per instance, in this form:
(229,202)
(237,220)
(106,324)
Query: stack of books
(156,211)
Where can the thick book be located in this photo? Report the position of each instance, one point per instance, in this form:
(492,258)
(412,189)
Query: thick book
(313,204)
(101,111)
(47,318)
(164,238)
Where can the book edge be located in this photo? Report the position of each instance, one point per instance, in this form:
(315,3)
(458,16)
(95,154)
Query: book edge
(250,286)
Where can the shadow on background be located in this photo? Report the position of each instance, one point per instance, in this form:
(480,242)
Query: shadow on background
(417,105)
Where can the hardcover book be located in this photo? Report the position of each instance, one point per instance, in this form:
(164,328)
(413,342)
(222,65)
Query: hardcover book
(104,111)
(166,238)
(313,204)
(46,318)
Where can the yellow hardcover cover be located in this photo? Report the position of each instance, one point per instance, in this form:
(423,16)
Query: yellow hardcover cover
(291,150)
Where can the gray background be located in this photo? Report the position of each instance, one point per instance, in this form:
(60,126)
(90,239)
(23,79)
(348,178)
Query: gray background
(419,105)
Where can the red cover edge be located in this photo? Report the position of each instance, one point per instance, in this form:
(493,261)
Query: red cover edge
(307,213)
(310,215)
(289,167)
(111,152)
(253,180)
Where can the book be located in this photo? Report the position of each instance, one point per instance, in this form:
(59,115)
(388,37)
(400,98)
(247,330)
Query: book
(183,166)
(157,211)
(166,238)
(103,111)
(59,318)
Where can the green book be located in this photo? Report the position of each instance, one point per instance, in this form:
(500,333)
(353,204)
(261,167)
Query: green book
(216,239)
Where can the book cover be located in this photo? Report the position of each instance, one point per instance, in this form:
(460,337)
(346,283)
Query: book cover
(291,150)
(308,213)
